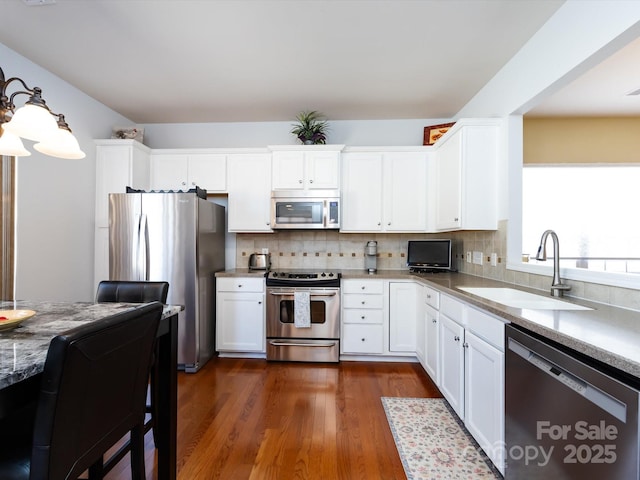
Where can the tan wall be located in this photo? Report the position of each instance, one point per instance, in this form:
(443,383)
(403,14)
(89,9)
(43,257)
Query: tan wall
(581,140)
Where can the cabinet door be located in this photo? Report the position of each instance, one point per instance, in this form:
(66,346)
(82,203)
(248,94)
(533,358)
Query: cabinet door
(249,188)
(403,304)
(288,171)
(361,192)
(448,180)
(169,172)
(240,322)
(432,351)
(421,337)
(322,170)
(484,396)
(118,166)
(405,183)
(208,171)
(451,336)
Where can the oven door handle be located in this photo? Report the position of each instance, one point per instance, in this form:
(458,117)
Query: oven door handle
(312,294)
(301,344)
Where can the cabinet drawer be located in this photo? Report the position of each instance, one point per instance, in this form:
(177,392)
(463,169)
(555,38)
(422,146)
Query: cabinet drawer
(362,339)
(432,297)
(452,308)
(239,284)
(486,327)
(356,315)
(363,286)
(362,301)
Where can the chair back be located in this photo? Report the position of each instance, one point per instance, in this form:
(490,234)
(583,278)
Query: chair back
(93,390)
(132,291)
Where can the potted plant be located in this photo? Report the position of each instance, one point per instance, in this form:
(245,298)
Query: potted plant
(311,128)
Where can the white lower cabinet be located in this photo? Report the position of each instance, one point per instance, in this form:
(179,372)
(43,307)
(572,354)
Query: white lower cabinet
(403,312)
(431,343)
(484,396)
(451,337)
(362,317)
(240,315)
(472,372)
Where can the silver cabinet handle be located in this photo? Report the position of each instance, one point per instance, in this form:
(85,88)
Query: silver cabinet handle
(465,345)
(310,181)
(456,338)
(434,321)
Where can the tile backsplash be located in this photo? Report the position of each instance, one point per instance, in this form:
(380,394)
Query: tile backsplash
(328,249)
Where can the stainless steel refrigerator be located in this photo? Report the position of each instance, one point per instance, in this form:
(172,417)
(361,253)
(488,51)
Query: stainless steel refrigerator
(178,238)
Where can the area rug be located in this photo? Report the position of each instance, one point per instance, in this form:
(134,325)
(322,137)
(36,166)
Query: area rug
(433,443)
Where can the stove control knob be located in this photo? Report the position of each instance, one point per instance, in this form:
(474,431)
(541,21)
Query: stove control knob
(323,274)
(331,274)
(274,274)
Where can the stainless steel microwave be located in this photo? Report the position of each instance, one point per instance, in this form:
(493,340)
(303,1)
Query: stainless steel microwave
(305,209)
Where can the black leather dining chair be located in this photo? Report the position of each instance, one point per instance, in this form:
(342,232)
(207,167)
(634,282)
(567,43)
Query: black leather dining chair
(131,291)
(92,394)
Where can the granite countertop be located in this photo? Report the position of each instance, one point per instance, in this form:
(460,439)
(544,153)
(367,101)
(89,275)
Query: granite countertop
(23,350)
(605,333)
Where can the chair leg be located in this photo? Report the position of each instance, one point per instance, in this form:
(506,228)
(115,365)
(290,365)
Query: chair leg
(137,452)
(96,471)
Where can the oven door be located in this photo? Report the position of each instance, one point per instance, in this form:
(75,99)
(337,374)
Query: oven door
(324,309)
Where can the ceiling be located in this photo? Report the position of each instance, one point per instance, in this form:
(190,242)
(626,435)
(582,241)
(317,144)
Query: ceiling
(190,61)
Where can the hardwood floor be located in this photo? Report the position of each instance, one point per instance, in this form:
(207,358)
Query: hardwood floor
(251,419)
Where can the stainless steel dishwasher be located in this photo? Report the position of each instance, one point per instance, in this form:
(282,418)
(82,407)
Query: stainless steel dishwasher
(565,419)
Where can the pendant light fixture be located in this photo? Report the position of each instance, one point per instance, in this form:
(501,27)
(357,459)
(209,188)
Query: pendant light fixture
(33,121)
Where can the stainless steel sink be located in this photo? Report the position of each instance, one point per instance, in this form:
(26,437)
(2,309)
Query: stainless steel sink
(519,299)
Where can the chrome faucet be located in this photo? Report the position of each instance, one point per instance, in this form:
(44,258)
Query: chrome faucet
(557,287)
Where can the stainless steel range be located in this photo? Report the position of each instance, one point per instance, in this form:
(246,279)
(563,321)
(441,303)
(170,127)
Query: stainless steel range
(309,331)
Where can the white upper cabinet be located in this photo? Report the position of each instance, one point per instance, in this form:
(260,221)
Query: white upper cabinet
(466,178)
(249,192)
(404,192)
(384,191)
(119,164)
(183,171)
(361,192)
(306,170)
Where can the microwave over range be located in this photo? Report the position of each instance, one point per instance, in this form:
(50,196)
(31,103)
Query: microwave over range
(308,209)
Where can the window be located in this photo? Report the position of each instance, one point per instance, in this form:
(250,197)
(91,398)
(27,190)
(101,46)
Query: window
(592,208)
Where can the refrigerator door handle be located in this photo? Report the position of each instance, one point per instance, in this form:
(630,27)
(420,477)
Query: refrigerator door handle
(135,261)
(144,262)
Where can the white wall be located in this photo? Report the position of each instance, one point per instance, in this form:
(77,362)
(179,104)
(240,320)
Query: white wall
(262,134)
(56,197)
